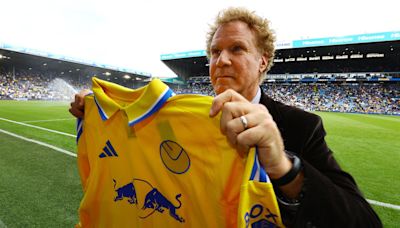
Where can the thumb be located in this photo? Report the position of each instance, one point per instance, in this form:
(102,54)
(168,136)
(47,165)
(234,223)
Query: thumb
(80,97)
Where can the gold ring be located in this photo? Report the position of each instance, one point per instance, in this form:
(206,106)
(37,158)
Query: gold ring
(244,122)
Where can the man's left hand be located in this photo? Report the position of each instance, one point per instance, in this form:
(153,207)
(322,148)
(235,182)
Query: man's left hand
(261,131)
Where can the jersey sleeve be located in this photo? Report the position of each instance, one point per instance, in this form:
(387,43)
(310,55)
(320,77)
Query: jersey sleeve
(258,205)
(83,161)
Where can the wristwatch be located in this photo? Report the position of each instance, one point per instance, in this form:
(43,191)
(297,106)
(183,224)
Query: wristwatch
(293,172)
(289,203)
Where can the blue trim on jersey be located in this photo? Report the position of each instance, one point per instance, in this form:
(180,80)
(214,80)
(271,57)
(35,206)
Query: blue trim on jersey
(258,172)
(158,104)
(79,128)
(263,175)
(101,111)
(78,123)
(255,167)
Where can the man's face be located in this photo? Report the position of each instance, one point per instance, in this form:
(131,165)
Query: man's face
(235,62)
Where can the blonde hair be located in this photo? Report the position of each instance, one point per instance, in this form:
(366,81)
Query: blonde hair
(264,35)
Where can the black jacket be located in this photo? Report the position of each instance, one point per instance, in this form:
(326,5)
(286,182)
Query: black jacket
(331,197)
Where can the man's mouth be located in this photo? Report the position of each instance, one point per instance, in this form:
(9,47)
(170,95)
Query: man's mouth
(224,77)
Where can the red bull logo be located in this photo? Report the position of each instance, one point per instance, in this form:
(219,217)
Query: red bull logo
(126,191)
(152,200)
(156,200)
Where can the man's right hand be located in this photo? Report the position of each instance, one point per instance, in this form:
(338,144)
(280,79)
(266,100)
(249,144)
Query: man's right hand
(78,105)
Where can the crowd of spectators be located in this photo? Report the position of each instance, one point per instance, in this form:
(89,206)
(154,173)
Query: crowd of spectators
(36,86)
(380,98)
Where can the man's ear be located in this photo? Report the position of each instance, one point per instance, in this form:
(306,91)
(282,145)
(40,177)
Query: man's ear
(263,62)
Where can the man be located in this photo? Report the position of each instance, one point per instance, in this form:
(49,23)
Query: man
(312,189)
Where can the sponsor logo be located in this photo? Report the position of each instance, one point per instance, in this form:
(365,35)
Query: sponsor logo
(174,157)
(258,216)
(140,192)
(108,151)
(263,223)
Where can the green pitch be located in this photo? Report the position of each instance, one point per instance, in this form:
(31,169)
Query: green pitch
(40,187)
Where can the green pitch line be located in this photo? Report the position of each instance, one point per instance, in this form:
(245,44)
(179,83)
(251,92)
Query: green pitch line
(41,128)
(39,143)
(51,120)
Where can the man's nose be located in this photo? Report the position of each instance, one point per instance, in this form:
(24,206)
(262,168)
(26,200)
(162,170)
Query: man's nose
(223,59)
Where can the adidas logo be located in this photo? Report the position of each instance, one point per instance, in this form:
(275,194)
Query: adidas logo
(108,151)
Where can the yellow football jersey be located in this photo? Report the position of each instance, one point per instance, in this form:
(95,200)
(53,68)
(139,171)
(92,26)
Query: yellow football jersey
(150,158)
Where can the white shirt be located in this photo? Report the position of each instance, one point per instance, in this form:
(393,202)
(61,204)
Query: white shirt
(257,98)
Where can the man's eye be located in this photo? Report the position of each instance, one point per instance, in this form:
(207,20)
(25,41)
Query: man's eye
(215,52)
(237,48)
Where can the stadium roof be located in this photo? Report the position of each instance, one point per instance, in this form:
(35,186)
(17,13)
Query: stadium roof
(39,53)
(360,53)
(10,59)
(314,42)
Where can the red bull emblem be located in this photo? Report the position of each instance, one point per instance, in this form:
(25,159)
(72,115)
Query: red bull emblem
(152,200)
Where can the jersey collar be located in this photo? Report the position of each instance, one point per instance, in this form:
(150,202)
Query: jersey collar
(142,102)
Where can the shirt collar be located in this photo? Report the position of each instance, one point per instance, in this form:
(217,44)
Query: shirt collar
(257,98)
(142,102)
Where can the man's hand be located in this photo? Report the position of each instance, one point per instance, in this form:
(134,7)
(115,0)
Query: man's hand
(261,131)
(78,105)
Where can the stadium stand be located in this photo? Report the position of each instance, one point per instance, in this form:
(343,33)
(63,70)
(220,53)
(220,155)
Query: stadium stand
(353,77)
(357,73)
(366,94)
(355,97)
(24,85)
(25,75)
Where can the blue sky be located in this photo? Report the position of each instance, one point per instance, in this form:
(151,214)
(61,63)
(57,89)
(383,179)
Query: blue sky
(132,34)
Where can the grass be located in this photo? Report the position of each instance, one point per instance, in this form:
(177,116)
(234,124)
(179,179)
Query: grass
(367,146)
(40,187)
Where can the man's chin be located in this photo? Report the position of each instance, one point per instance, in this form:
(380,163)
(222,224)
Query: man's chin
(218,89)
